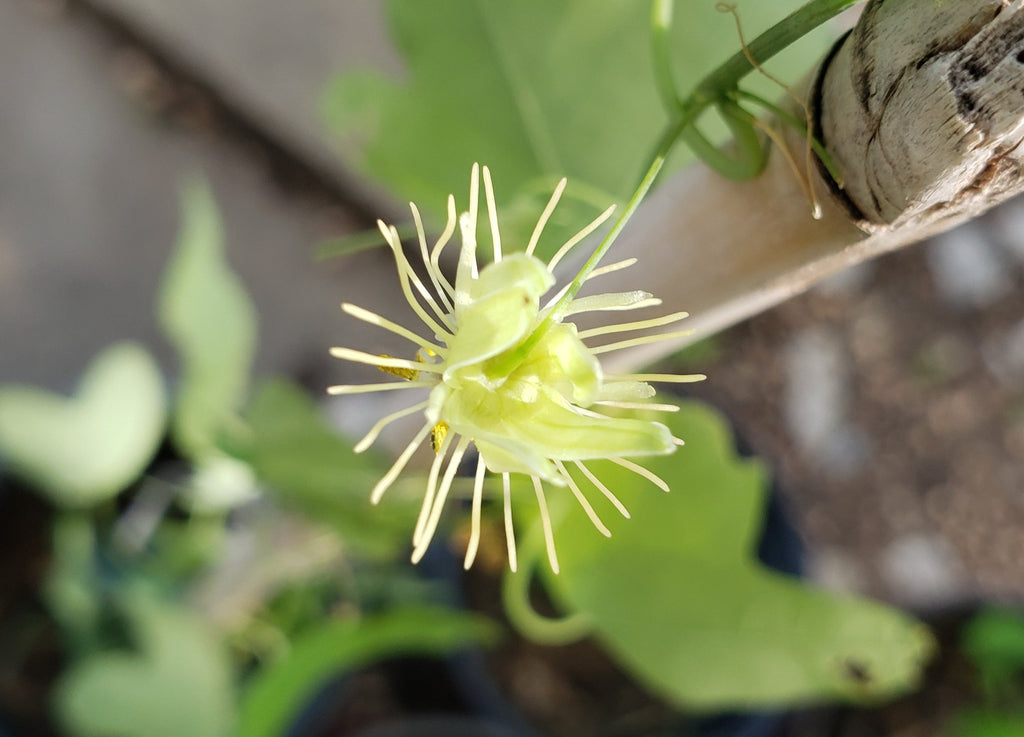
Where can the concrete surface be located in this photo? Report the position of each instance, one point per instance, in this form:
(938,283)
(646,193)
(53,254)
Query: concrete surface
(89,209)
(272,60)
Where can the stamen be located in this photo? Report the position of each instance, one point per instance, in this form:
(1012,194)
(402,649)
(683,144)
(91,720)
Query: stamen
(478,493)
(492,214)
(399,465)
(401,373)
(678,441)
(644,340)
(612,302)
(387,387)
(404,269)
(617,266)
(625,391)
(374,319)
(603,489)
(548,209)
(437,435)
(584,411)
(510,533)
(625,327)
(348,354)
(421,236)
(428,497)
(572,242)
(647,474)
(414,278)
(545,520)
(467,268)
(375,431)
(667,378)
(639,405)
(474,193)
(442,496)
(442,241)
(595,520)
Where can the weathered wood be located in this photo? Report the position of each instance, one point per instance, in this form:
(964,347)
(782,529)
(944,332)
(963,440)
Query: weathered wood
(922,108)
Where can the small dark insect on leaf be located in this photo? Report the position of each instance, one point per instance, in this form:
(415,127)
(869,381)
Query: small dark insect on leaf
(856,671)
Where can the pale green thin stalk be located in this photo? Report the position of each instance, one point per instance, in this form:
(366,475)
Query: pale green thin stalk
(504,366)
(710,91)
(784,33)
(661,26)
(515,596)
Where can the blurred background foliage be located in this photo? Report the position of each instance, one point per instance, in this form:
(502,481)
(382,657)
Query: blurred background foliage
(215,559)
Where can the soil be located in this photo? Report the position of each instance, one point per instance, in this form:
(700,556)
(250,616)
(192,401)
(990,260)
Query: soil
(946,438)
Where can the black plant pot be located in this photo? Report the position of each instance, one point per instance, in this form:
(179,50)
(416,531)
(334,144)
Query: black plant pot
(441,726)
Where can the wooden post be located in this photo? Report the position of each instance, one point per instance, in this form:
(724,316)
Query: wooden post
(922,108)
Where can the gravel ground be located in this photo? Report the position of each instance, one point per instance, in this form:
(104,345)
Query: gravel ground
(892,405)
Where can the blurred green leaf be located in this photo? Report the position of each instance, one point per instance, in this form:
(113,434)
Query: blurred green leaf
(994,641)
(306,466)
(678,597)
(220,484)
(71,588)
(537,90)
(364,240)
(85,449)
(979,723)
(178,682)
(276,694)
(208,317)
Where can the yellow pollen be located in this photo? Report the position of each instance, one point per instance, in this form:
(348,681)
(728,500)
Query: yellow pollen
(402,373)
(437,436)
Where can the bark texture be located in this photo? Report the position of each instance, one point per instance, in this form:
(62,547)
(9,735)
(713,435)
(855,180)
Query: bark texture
(922,108)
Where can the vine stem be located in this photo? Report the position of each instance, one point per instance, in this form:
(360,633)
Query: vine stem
(713,88)
(684,113)
(784,33)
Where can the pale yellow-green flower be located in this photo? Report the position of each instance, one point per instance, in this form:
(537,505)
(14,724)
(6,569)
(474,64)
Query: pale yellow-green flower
(510,374)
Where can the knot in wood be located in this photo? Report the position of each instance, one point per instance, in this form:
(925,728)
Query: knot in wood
(922,107)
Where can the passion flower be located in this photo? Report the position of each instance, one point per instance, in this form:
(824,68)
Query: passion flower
(509,373)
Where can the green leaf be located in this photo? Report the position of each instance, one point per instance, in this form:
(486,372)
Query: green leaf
(276,694)
(980,723)
(84,450)
(994,641)
(72,588)
(208,317)
(678,598)
(537,90)
(178,682)
(306,466)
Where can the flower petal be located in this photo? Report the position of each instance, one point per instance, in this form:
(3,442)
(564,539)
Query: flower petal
(546,428)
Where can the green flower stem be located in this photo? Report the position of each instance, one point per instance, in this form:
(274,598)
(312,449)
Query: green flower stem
(713,90)
(751,153)
(723,83)
(506,364)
